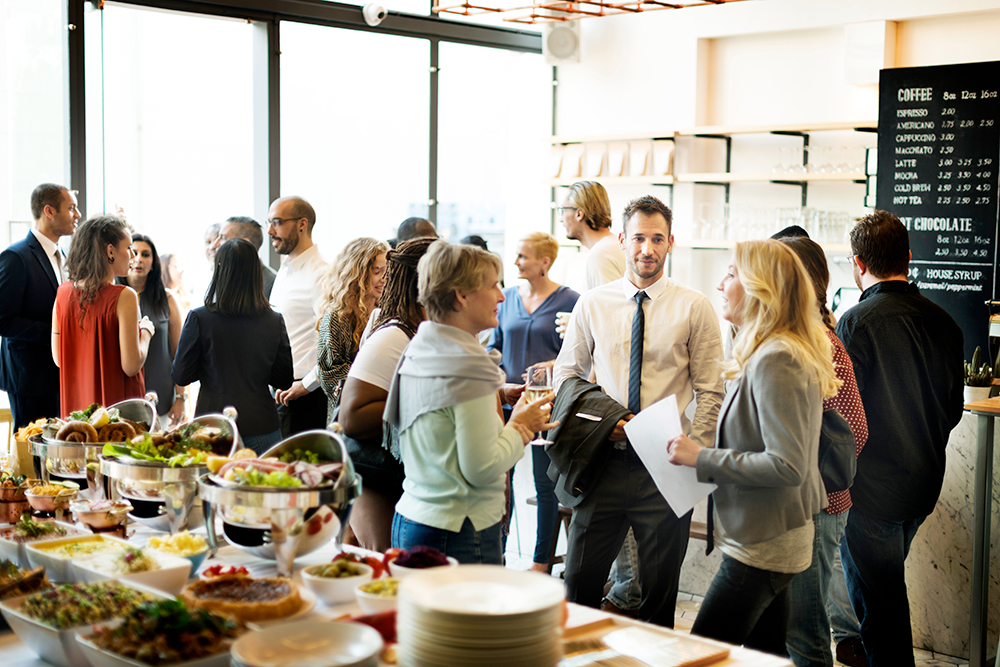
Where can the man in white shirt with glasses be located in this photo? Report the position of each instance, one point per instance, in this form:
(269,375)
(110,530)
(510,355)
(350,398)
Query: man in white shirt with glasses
(296,295)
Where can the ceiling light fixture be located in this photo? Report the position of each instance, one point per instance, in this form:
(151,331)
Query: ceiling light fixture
(556,11)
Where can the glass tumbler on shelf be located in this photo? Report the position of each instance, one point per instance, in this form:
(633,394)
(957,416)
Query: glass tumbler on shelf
(538,383)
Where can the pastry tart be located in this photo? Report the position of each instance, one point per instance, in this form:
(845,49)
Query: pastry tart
(244,598)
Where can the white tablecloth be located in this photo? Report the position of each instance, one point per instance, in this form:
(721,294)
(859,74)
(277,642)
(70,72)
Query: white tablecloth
(13,653)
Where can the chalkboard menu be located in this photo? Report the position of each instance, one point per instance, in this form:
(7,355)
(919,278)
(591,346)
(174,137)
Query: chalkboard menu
(938,163)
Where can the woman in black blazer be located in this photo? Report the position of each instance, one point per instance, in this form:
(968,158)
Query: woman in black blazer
(765,458)
(236,346)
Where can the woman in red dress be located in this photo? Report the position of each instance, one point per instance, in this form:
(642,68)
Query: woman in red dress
(98,341)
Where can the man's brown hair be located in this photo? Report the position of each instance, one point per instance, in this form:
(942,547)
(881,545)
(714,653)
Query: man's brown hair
(880,240)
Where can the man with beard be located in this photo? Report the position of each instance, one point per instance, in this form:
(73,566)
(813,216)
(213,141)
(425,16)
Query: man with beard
(674,347)
(296,295)
(30,272)
(907,354)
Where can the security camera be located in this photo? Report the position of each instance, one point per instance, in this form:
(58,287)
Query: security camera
(374,14)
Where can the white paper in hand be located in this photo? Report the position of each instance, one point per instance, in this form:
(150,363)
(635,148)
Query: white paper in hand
(649,432)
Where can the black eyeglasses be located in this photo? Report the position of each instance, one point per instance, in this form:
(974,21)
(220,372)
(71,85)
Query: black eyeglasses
(274,222)
(563,209)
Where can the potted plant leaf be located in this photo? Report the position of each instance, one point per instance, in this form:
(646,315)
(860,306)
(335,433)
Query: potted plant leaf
(978,378)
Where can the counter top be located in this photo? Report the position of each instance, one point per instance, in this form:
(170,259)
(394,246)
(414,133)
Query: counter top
(13,653)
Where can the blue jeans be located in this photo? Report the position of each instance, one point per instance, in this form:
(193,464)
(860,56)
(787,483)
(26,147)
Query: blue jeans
(548,505)
(626,593)
(466,546)
(746,605)
(874,552)
(843,622)
(808,638)
(262,443)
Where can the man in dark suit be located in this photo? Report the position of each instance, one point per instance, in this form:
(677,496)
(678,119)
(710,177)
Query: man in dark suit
(30,272)
(243,227)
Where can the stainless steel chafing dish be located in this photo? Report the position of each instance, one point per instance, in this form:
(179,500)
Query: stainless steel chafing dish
(282,523)
(170,492)
(79,461)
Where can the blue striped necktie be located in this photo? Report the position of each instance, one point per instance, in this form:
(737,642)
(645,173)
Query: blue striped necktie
(635,359)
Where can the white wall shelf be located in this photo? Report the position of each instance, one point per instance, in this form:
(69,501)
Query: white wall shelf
(730,177)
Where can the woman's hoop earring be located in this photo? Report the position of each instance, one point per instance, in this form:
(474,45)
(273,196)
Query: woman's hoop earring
(111,260)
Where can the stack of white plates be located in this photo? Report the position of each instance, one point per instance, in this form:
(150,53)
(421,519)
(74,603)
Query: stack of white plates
(480,615)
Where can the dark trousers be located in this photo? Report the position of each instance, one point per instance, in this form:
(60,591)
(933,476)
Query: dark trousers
(625,496)
(26,408)
(303,414)
(746,605)
(873,553)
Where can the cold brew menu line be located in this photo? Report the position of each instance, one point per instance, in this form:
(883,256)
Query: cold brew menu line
(939,147)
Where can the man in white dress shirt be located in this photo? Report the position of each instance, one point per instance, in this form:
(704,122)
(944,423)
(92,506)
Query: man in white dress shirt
(678,350)
(586,215)
(296,295)
(30,272)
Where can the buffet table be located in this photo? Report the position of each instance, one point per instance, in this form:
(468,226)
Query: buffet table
(13,653)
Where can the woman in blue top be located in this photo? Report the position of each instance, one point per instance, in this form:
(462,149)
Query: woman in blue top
(527,336)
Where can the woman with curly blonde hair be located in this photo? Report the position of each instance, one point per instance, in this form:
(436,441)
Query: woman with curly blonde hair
(766,457)
(350,291)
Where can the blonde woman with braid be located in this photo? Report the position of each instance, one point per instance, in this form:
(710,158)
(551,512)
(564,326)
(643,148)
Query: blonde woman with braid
(350,291)
(765,460)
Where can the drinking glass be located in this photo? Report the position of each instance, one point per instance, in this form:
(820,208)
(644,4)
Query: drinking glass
(538,383)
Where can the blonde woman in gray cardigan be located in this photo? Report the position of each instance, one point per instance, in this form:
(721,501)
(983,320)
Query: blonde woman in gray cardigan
(766,456)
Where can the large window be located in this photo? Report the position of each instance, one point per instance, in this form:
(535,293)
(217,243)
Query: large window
(354,129)
(170,125)
(495,114)
(34,140)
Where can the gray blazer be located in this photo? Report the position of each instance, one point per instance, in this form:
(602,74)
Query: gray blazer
(767,443)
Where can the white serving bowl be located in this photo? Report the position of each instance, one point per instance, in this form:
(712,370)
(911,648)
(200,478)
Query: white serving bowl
(99,657)
(60,569)
(400,572)
(335,590)
(16,551)
(170,577)
(194,560)
(53,645)
(371,603)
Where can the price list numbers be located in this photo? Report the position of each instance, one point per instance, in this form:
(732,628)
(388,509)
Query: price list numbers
(932,161)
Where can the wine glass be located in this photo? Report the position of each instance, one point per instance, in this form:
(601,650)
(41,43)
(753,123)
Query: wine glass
(538,383)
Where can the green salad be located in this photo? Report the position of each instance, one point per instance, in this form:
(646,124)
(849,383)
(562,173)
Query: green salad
(300,455)
(167,632)
(85,414)
(254,477)
(71,605)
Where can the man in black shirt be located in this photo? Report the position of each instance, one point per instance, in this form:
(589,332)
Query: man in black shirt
(907,354)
